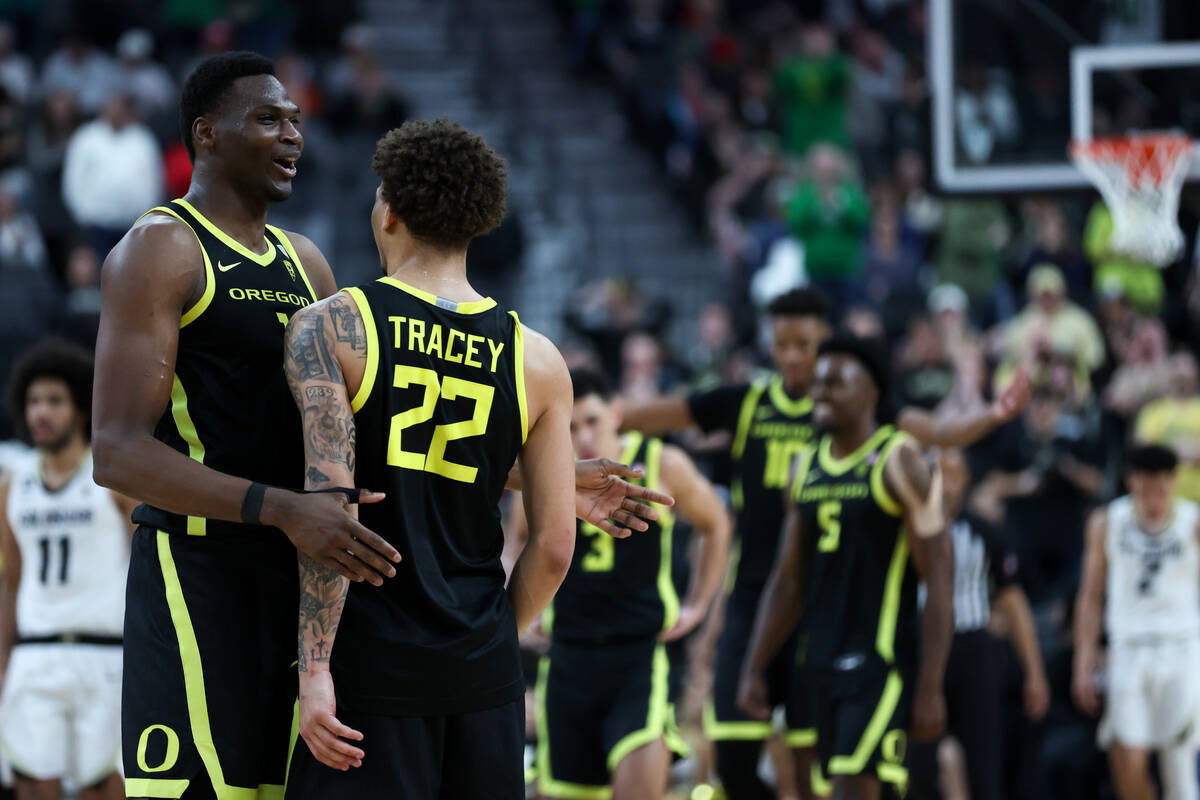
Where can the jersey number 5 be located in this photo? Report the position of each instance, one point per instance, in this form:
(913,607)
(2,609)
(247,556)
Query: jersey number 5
(450,388)
(831,527)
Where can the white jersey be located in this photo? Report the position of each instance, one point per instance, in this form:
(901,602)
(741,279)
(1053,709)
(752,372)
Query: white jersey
(1153,578)
(74,547)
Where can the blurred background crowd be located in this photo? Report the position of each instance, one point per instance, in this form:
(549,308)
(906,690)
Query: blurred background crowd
(795,136)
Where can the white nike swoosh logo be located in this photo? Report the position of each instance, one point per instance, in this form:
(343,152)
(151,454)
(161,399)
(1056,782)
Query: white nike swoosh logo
(227,267)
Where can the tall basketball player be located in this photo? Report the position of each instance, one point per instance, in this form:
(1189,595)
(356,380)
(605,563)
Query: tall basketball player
(1141,575)
(66,549)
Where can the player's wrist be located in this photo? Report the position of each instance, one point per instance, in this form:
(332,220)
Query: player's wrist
(275,507)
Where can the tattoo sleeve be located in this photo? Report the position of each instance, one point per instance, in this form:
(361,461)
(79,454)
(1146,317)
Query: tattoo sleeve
(315,378)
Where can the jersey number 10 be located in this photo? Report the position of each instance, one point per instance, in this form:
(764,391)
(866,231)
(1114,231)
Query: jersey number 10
(436,387)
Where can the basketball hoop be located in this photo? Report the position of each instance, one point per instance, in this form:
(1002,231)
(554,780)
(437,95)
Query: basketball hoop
(1140,178)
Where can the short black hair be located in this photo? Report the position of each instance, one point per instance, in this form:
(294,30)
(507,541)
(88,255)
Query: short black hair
(589,381)
(1151,459)
(51,358)
(871,352)
(800,303)
(207,85)
(442,181)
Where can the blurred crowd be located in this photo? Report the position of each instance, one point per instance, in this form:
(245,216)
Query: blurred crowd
(89,134)
(798,135)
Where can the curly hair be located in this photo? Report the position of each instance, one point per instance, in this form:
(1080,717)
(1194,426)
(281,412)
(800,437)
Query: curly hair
(799,303)
(51,358)
(207,85)
(442,181)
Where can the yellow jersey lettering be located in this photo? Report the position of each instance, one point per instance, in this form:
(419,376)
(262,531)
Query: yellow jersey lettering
(435,340)
(237,294)
(416,335)
(397,328)
(450,355)
(496,348)
(268,295)
(473,341)
(253,294)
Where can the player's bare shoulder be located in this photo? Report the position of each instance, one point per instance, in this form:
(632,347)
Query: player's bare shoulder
(547,380)
(159,251)
(314,263)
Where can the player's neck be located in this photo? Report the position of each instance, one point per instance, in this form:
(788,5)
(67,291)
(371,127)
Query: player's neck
(852,437)
(438,272)
(58,466)
(240,217)
(1152,525)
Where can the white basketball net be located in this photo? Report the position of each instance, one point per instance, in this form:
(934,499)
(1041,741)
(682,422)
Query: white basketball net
(1140,178)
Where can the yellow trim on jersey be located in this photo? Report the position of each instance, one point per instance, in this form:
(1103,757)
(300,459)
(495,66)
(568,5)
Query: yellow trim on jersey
(879,491)
(193,677)
(835,466)
(547,785)
(889,612)
(802,737)
(785,404)
(156,787)
(210,282)
(746,416)
(855,763)
(660,717)
(519,367)
(293,737)
(666,524)
(469,307)
(717,731)
(894,774)
(803,465)
(369,332)
(196,526)
(821,786)
(262,259)
(271,791)
(291,251)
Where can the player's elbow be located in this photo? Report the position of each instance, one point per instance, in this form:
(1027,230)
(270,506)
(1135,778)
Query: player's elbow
(557,545)
(109,459)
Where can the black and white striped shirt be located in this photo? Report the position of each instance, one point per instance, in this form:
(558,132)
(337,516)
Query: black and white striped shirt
(982,567)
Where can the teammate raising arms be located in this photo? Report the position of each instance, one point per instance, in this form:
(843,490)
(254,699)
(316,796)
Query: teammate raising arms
(1141,575)
(770,421)
(605,711)
(865,523)
(66,548)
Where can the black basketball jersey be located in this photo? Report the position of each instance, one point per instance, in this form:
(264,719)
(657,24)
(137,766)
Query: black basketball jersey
(861,590)
(772,429)
(619,590)
(440,420)
(230,407)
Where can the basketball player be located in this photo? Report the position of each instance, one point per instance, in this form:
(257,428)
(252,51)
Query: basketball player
(448,390)
(193,416)
(865,524)
(770,421)
(66,549)
(606,714)
(1142,572)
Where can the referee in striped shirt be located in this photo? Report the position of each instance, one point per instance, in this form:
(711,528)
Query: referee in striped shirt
(985,581)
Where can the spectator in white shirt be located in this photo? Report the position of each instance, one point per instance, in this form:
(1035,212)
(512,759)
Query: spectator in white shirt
(16,74)
(113,173)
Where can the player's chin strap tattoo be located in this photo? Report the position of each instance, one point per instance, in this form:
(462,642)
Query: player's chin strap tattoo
(253,501)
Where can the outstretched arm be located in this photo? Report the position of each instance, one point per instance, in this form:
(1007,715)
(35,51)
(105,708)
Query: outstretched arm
(700,505)
(965,429)
(778,613)
(920,493)
(546,463)
(664,415)
(1089,610)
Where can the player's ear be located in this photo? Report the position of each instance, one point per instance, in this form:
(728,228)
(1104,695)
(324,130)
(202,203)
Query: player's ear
(203,134)
(390,220)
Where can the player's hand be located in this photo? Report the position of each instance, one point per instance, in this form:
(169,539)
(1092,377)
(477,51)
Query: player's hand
(1037,696)
(1013,399)
(1084,689)
(929,714)
(690,617)
(322,527)
(611,504)
(752,696)
(319,726)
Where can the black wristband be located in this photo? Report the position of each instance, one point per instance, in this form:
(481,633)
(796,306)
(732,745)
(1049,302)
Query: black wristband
(352,495)
(252,503)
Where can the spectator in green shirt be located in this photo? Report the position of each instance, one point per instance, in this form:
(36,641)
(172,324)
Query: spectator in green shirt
(812,90)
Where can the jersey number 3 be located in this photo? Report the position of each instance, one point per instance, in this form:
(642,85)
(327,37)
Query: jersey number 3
(437,387)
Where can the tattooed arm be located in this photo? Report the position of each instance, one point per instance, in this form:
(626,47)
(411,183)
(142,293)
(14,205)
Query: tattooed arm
(325,351)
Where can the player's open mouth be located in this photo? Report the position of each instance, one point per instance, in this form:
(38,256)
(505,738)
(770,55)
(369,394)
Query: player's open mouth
(287,166)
